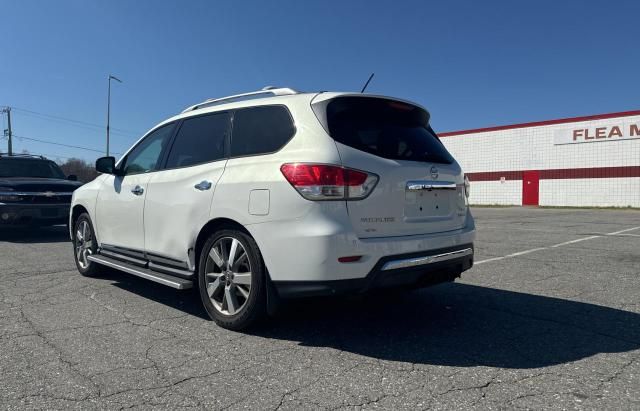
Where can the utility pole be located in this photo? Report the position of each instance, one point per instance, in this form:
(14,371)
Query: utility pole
(7,132)
(109,107)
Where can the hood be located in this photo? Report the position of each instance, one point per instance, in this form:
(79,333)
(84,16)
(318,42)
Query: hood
(39,184)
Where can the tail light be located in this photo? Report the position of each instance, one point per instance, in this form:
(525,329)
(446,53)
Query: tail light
(329,182)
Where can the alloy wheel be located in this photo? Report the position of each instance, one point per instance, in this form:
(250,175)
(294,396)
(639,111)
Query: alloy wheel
(84,243)
(228,275)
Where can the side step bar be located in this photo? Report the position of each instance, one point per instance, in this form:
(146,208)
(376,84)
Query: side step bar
(164,279)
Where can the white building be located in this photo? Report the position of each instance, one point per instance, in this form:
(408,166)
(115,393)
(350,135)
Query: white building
(581,161)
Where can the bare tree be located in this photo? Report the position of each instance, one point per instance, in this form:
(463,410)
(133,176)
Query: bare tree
(83,169)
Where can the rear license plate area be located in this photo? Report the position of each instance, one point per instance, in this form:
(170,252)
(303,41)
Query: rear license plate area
(424,203)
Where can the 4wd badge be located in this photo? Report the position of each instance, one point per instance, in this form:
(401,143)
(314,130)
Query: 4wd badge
(434,172)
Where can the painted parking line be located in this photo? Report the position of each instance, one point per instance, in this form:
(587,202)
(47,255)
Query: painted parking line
(622,231)
(591,237)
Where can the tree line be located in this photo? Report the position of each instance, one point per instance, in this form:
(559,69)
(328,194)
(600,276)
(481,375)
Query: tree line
(84,170)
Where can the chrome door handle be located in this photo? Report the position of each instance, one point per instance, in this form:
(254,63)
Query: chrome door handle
(203,185)
(137,190)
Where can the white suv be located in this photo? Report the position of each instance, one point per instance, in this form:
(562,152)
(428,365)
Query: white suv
(279,194)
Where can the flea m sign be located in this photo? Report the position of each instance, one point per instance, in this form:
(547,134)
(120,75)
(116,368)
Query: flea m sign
(623,130)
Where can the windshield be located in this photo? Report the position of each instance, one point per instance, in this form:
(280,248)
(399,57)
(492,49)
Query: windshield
(30,168)
(385,128)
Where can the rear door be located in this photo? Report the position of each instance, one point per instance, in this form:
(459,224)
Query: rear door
(179,197)
(420,190)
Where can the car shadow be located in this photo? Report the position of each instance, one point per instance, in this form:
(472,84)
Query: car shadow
(187,301)
(35,234)
(462,325)
(452,324)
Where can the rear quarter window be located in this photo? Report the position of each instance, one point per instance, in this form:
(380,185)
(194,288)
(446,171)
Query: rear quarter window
(385,128)
(260,130)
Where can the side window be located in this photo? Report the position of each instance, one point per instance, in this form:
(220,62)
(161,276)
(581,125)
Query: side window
(199,140)
(259,130)
(145,156)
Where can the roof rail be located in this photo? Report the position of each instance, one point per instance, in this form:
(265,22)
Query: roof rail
(265,92)
(23,155)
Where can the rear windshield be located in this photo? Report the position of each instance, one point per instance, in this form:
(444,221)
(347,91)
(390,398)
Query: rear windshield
(29,168)
(385,128)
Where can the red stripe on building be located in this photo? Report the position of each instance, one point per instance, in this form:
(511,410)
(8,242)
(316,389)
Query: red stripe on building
(542,123)
(560,173)
(495,175)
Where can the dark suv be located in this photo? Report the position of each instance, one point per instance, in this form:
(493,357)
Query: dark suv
(34,191)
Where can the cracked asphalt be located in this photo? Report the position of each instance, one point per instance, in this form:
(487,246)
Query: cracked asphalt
(557,327)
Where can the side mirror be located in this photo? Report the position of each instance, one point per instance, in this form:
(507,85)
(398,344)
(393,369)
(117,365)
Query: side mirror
(72,177)
(106,165)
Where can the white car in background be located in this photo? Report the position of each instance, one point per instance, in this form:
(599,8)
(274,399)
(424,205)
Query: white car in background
(279,194)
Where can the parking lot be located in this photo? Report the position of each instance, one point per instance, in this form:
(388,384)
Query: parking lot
(549,317)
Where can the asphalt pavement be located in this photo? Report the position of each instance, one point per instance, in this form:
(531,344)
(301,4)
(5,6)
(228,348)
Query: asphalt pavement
(549,317)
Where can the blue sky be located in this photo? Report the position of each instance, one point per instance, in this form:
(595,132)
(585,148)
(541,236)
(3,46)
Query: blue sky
(472,63)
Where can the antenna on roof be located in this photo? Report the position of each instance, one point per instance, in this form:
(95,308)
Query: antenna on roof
(367,83)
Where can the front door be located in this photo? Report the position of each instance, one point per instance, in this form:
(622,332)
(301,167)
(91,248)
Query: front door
(119,211)
(530,188)
(179,198)
(120,203)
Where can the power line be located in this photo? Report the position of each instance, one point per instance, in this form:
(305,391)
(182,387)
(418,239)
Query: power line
(59,144)
(53,142)
(124,132)
(72,120)
(48,156)
(90,129)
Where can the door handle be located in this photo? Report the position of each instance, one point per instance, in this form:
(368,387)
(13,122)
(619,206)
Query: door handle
(137,190)
(203,185)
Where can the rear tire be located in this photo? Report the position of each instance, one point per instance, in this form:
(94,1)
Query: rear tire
(232,280)
(84,244)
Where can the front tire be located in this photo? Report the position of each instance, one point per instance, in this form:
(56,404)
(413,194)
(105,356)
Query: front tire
(232,280)
(84,244)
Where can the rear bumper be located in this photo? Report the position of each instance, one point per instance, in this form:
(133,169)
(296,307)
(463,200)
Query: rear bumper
(307,249)
(33,214)
(412,270)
